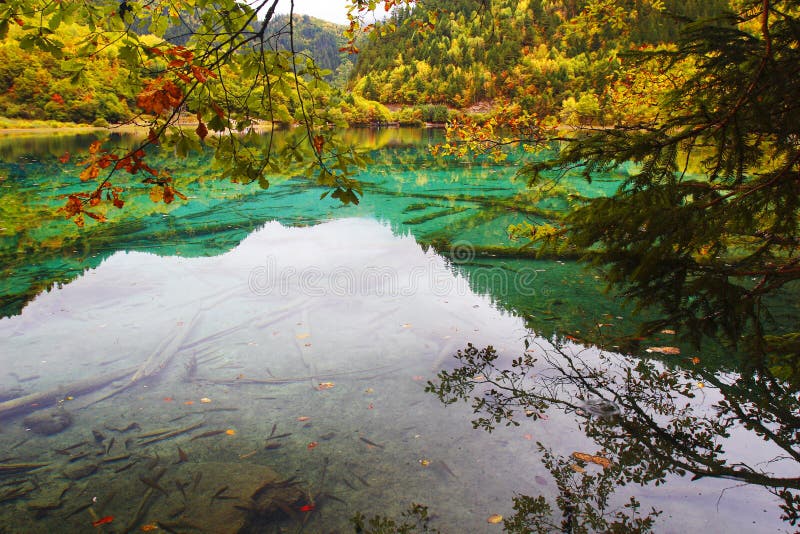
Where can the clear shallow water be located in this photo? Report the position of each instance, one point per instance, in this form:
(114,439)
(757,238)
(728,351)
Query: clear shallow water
(341,322)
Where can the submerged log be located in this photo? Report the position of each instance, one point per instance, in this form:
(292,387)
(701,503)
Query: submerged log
(45,399)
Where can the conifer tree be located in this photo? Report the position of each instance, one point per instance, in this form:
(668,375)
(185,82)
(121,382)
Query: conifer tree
(709,249)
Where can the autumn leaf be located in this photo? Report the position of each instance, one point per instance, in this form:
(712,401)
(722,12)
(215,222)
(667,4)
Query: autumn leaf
(90,173)
(593,459)
(318,142)
(64,158)
(201,130)
(664,350)
(156,193)
(169,194)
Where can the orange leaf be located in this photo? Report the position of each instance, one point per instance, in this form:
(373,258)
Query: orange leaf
(588,458)
(318,142)
(64,158)
(198,73)
(664,350)
(90,173)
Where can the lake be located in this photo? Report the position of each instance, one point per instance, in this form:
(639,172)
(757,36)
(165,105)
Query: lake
(257,361)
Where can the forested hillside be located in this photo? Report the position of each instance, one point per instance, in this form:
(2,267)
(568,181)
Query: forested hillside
(316,38)
(536,52)
(36,84)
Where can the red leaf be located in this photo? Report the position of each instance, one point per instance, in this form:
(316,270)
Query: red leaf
(169,194)
(201,131)
(64,158)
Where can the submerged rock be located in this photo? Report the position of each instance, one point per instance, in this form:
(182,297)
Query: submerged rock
(80,472)
(229,497)
(48,423)
(601,408)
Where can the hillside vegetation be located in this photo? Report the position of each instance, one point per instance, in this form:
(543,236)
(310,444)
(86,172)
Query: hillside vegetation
(535,52)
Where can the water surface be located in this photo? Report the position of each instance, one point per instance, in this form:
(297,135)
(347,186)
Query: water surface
(256,314)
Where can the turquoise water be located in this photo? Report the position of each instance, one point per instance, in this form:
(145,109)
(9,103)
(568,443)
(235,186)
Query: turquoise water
(217,324)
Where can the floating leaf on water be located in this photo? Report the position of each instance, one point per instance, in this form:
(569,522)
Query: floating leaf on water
(424,463)
(307,508)
(417,378)
(701,385)
(307,345)
(325,385)
(230,432)
(205,400)
(590,458)
(189,402)
(494,519)
(668,332)
(528,437)
(577,468)
(312,445)
(664,350)
(303,336)
(150,527)
(540,480)
(695,360)
(168,399)
(369,390)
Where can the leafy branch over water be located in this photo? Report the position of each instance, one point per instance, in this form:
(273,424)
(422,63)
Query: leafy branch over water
(647,420)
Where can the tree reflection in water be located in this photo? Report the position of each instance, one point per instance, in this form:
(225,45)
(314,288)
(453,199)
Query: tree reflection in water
(648,420)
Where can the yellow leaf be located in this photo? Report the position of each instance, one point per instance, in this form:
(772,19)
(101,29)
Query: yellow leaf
(577,468)
(424,463)
(303,336)
(494,519)
(156,193)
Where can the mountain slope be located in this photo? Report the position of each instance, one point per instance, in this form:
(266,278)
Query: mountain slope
(474,51)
